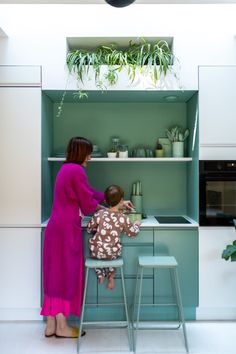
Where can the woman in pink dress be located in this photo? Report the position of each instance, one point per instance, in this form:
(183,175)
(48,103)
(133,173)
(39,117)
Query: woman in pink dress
(63,258)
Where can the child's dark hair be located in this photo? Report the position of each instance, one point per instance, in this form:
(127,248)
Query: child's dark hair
(113,195)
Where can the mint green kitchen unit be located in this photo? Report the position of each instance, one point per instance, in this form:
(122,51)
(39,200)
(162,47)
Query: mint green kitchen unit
(169,186)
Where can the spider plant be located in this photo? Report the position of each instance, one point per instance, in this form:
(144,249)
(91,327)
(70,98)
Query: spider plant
(153,59)
(142,56)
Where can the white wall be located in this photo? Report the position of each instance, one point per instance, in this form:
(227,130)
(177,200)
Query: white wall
(203,34)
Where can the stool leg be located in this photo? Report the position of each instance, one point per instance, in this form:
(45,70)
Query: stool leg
(82,312)
(138,310)
(180,306)
(126,308)
(135,296)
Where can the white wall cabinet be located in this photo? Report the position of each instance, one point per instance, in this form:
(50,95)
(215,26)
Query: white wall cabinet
(20,273)
(217,277)
(20,192)
(217,112)
(20,153)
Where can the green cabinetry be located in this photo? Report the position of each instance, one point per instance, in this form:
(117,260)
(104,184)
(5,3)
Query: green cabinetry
(183,245)
(180,243)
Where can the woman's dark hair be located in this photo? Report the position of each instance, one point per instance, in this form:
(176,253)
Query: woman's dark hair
(77,150)
(113,195)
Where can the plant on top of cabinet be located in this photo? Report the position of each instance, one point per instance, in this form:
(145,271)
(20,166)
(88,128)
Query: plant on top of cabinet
(177,136)
(154,59)
(230,251)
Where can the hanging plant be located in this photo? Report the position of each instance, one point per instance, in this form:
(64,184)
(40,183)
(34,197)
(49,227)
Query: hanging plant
(154,58)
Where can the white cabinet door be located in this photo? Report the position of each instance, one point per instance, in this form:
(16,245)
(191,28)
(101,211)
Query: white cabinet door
(20,155)
(217,277)
(217,112)
(25,75)
(20,273)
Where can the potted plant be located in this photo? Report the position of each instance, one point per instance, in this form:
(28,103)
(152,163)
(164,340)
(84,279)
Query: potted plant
(159,152)
(177,136)
(112,154)
(152,58)
(230,251)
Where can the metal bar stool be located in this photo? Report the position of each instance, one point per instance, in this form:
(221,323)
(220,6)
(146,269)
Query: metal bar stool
(96,263)
(162,262)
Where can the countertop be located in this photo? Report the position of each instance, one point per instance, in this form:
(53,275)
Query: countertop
(148,223)
(151,222)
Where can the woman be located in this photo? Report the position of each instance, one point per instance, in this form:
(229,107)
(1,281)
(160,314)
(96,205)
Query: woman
(63,259)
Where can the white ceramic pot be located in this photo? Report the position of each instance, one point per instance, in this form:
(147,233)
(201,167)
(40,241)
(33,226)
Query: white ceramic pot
(123,154)
(178,149)
(111,155)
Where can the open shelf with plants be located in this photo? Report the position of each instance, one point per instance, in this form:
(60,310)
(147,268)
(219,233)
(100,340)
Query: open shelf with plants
(139,119)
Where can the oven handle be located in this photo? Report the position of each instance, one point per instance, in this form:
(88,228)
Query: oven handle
(218,178)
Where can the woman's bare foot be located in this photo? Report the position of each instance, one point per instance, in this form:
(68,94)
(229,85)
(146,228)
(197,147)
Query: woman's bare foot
(101,279)
(111,282)
(62,328)
(50,327)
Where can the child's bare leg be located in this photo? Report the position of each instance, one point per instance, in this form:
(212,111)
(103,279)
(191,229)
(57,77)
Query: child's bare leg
(111,280)
(100,275)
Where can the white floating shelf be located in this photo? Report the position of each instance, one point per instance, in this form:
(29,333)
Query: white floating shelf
(131,159)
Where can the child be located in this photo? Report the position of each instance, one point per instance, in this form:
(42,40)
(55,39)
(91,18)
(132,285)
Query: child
(107,226)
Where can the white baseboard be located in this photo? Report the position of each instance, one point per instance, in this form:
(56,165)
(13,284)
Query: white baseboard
(20,314)
(216,313)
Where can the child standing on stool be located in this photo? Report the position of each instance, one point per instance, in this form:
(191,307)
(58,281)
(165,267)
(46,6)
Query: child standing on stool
(107,226)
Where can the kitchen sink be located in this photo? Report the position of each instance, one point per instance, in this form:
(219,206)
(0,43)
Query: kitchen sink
(172,220)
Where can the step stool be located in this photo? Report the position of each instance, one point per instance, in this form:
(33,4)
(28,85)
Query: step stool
(161,262)
(96,263)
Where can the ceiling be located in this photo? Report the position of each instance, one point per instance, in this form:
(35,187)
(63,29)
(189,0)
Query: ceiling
(103,2)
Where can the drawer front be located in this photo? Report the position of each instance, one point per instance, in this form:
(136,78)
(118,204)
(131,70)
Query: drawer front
(144,236)
(130,256)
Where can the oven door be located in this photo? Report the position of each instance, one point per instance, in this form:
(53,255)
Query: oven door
(217,200)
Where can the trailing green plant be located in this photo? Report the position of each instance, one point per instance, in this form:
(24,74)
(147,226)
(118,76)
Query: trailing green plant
(177,134)
(230,251)
(155,58)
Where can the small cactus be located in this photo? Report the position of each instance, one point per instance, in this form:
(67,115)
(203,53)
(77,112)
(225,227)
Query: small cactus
(137,188)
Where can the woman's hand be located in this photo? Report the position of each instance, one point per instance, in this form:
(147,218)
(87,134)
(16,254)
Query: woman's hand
(127,204)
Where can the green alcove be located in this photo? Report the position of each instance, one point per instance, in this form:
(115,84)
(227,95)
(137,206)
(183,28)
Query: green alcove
(138,118)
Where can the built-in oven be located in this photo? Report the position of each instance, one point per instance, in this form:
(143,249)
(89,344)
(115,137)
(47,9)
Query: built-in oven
(217,197)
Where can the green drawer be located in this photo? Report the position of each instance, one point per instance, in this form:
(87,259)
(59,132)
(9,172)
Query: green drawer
(130,256)
(145,236)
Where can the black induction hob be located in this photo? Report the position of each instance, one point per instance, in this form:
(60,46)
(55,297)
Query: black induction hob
(172,220)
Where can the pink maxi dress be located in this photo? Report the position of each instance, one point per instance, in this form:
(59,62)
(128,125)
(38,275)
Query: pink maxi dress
(63,256)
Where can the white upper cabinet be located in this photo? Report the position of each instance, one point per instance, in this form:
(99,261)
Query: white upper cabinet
(20,75)
(217,112)
(20,155)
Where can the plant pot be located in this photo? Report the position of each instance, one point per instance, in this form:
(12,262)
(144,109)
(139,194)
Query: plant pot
(137,200)
(159,152)
(111,155)
(178,149)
